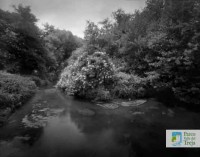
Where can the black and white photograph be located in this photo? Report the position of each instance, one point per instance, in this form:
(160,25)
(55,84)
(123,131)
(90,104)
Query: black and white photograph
(99,78)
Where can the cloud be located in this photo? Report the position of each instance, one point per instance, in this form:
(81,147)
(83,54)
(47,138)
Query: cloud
(72,14)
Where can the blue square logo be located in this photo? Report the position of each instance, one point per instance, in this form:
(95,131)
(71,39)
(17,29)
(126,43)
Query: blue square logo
(176,138)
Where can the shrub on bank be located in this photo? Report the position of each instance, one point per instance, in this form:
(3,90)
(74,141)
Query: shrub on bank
(14,89)
(89,74)
(134,86)
(99,94)
(129,86)
(94,76)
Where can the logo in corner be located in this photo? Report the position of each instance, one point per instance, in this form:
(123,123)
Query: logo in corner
(176,138)
(183,138)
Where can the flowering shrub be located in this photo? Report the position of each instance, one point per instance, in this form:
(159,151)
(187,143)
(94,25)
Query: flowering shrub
(88,72)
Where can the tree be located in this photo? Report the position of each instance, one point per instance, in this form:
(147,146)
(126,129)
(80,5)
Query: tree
(60,43)
(23,43)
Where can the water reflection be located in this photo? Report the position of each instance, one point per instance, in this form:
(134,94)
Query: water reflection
(75,128)
(62,137)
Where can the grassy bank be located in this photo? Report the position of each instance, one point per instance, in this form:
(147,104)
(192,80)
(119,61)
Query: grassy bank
(14,91)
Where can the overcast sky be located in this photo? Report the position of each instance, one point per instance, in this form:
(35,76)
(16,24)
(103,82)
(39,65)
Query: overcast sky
(72,14)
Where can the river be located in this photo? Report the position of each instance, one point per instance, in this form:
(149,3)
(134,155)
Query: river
(54,125)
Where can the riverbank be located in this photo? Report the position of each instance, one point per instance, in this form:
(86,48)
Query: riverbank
(15,90)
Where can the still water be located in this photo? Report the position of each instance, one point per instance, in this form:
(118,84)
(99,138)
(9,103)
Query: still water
(55,125)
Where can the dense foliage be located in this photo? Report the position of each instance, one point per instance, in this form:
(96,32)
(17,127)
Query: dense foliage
(160,42)
(34,56)
(154,48)
(21,46)
(89,73)
(14,90)
(26,49)
(132,86)
(59,44)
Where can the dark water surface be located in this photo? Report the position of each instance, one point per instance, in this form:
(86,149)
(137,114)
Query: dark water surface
(54,125)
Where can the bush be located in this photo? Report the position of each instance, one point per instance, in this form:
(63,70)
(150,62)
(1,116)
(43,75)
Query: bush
(87,74)
(123,87)
(99,94)
(40,82)
(130,86)
(14,89)
(189,95)
(95,77)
